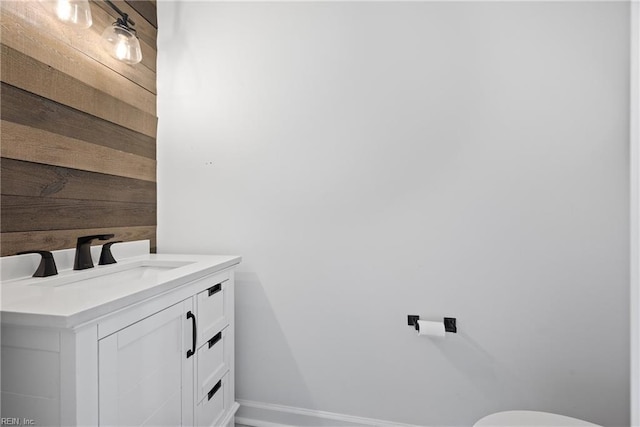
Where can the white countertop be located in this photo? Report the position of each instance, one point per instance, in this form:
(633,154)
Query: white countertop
(51,302)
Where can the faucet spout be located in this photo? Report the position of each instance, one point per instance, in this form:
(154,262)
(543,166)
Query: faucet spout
(83,258)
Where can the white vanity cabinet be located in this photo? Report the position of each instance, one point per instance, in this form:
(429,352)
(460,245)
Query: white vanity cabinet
(166,360)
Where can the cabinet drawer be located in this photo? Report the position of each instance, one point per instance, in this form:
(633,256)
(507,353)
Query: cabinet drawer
(214,405)
(211,310)
(213,362)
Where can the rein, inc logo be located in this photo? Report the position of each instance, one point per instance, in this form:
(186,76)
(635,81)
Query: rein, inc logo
(5,421)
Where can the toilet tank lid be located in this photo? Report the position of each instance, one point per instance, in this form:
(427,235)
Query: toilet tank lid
(530,418)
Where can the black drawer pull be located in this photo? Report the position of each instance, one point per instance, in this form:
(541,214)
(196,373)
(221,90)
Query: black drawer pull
(194,334)
(214,389)
(215,339)
(215,289)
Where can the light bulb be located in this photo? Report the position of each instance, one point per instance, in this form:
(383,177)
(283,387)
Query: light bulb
(73,12)
(63,10)
(121,48)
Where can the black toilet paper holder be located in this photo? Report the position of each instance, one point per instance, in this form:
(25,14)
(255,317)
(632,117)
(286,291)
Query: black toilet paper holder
(449,323)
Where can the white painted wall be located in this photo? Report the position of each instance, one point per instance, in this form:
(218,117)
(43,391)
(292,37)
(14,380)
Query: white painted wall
(371,160)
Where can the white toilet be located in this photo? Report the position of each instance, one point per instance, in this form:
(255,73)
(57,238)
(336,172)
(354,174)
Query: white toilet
(530,418)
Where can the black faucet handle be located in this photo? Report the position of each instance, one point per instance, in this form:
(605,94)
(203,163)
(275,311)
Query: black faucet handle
(106,257)
(47,265)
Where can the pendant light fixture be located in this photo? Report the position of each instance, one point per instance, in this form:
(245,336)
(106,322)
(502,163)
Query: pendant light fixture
(73,12)
(120,39)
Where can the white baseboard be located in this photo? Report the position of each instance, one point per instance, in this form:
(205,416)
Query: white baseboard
(251,422)
(228,419)
(260,414)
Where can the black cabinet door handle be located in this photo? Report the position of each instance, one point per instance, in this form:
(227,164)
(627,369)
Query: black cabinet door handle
(194,334)
(217,337)
(214,389)
(215,289)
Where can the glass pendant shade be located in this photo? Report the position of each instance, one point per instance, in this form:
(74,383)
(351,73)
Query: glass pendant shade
(72,12)
(122,44)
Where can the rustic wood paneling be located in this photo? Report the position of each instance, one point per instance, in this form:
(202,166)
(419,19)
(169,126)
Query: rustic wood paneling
(37,180)
(78,130)
(25,108)
(52,240)
(34,76)
(30,144)
(146,9)
(21,213)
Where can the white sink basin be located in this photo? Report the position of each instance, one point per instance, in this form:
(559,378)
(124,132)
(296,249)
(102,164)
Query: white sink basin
(114,273)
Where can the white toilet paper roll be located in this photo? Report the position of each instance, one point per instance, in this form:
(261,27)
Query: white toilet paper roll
(430,328)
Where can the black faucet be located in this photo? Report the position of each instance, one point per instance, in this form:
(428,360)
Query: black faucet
(83,250)
(47,265)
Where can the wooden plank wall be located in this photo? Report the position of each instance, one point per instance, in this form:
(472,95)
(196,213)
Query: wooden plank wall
(78,129)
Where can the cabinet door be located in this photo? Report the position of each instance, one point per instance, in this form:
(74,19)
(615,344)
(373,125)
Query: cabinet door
(145,377)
